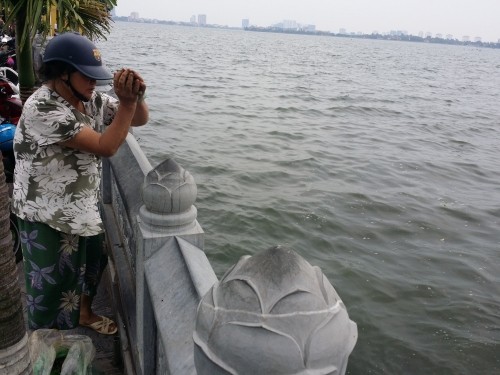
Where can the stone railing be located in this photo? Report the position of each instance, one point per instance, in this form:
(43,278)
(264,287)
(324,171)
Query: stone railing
(271,313)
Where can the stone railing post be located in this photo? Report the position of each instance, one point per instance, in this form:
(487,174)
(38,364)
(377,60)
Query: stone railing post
(169,256)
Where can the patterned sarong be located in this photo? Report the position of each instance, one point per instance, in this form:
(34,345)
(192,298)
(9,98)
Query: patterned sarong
(58,268)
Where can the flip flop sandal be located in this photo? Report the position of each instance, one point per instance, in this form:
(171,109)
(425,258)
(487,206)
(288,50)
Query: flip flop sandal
(103,326)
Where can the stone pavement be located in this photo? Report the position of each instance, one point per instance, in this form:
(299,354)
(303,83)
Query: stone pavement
(108,359)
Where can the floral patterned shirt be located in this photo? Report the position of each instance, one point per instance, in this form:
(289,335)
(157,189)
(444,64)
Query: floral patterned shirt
(53,184)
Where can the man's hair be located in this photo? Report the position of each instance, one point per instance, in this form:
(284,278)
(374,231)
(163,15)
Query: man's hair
(55,69)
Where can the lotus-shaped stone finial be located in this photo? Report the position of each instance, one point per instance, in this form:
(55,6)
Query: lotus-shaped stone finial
(169,188)
(273,313)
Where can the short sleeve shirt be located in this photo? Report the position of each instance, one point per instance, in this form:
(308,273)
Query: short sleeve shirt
(53,184)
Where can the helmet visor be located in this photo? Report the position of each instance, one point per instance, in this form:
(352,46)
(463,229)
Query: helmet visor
(95,71)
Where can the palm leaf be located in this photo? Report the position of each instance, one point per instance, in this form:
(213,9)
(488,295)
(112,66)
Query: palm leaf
(90,17)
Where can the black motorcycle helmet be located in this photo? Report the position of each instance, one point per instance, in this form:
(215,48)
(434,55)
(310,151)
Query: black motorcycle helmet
(79,52)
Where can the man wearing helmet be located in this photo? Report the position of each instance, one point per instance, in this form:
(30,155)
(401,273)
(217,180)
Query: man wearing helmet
(64,130)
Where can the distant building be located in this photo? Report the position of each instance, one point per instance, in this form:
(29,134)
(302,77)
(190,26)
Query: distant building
(309,28)
(466,38)
(398,33)
(342,31)
(449,36)
(439,36)
(420,34)
(290,25)
(245,23)
(477,39)
(134,16)
(192,20)
(202,19)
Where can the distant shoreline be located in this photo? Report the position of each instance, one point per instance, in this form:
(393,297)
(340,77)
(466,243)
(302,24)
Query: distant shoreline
(403,38)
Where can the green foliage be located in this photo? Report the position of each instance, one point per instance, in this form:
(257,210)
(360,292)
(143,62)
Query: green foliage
(90,17)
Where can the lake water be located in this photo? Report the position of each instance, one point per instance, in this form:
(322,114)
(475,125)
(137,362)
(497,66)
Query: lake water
(377,161)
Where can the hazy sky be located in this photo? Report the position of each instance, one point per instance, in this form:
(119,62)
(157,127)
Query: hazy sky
(457,17)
